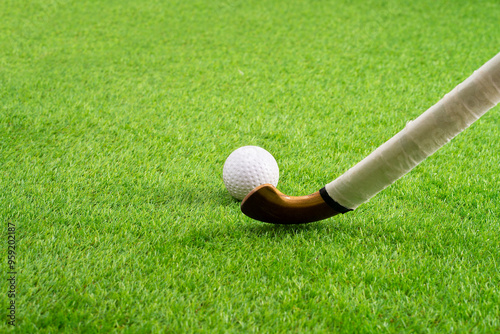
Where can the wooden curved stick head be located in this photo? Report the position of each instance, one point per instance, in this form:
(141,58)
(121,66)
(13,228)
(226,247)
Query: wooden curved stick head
(268,204)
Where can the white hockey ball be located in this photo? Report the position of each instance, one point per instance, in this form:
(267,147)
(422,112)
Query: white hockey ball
(247,168)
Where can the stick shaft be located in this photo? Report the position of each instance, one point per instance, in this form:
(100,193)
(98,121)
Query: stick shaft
(420,138)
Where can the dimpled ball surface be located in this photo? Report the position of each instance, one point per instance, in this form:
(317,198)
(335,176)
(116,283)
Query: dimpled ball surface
(249,167)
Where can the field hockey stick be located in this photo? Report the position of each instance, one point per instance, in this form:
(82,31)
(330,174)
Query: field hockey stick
(455,112)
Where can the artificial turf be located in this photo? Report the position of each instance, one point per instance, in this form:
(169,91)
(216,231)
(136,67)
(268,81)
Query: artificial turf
(115,121)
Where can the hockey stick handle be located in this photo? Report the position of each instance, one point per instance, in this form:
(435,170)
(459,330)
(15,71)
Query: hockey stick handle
(455,112)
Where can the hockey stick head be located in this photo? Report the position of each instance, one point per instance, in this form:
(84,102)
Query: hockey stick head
(268,204)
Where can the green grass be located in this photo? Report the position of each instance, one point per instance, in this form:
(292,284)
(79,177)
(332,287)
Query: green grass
(115,121)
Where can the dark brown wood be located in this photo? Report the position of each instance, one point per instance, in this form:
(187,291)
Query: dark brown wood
(268,204)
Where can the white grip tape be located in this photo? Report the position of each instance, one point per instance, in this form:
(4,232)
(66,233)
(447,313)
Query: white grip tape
(420,138)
